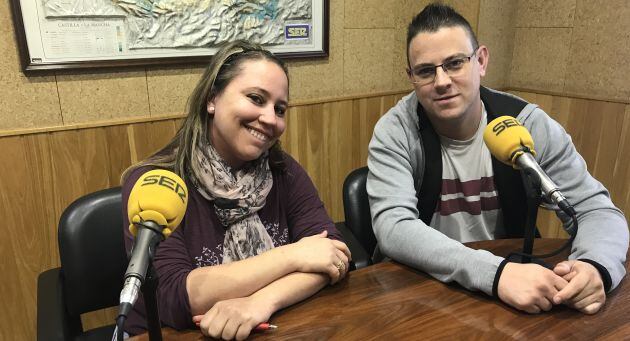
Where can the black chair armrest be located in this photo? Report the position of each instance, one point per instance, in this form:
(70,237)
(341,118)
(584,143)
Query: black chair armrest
(360,257)
(53,321)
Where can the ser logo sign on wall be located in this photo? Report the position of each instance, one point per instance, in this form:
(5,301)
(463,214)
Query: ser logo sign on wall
(297,31)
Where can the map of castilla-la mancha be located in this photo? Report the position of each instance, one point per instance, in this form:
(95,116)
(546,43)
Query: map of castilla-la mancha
(151,24)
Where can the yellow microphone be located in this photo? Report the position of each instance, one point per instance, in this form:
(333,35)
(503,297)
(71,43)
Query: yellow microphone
(510,142)
(156,206)
(507,140)
(159,196)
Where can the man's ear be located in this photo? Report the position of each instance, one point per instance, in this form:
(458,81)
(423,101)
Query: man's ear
(483,56)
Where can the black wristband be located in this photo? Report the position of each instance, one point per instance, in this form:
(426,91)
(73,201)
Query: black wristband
(495,284)
(603,272)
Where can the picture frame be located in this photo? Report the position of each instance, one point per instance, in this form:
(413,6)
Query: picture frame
(51,37)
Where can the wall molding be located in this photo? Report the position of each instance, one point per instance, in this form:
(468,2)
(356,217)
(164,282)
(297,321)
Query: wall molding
(88,125)
(569,94)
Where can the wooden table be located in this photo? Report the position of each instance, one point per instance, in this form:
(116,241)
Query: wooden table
(392,301)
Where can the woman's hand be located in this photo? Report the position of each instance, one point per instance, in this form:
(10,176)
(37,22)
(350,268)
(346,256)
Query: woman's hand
(318,254)
(234,318)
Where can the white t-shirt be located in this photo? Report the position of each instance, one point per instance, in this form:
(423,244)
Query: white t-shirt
(468,207)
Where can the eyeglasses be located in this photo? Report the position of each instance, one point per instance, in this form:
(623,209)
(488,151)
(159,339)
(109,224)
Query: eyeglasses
(453,68)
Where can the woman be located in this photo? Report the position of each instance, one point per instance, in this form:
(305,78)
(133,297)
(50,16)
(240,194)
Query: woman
(256,237)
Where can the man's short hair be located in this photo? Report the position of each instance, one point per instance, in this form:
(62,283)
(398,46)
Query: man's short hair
(434,17)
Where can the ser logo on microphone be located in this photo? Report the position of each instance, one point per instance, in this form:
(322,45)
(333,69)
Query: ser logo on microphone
(507,123)
(167,182)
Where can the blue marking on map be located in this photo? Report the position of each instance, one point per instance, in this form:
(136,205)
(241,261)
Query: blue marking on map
(146,5)
(269,11)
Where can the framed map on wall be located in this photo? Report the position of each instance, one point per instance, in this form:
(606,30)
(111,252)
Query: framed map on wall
(79,34)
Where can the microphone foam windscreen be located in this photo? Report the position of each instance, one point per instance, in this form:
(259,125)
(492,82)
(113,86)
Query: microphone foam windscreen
(159,196)
(507,139)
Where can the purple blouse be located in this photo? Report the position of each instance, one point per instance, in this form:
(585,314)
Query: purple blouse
(292,211)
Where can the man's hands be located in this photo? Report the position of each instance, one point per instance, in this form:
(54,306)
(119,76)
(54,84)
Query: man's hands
(585,291)
(533,288)
(529,287)
(234,318)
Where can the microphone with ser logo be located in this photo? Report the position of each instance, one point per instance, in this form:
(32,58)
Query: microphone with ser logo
(510,142)
(157,204)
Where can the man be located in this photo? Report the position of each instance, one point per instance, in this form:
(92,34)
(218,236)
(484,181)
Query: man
(433,184)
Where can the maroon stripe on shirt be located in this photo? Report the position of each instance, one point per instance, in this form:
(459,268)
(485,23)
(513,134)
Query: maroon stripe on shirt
(448,207)
(468,188)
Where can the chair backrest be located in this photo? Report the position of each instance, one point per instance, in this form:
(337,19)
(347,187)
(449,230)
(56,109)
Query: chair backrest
(92,251)
(356,208)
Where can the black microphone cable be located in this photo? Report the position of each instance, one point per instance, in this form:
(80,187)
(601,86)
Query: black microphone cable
(570,211)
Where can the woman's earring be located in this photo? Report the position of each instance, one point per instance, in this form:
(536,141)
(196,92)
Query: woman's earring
(211,110)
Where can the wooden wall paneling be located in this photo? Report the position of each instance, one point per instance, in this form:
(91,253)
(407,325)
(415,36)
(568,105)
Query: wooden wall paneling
(291,133)
(177,122)
(295,132)
(561,110)
(528,96)
(327,191)
(545,102)
(398,97)
(313,129)
(621,171)
(590,137)
(387,102)
(29,244)
(36,180)
(342,147)
(118,152)
(367,111)
(359,108)
(603,143)
(610,117)
(131,140)
(368,108)
(81,165)
(149,137)
(18,321)
(579,129)
(300,143)
(302,139)
(35,247)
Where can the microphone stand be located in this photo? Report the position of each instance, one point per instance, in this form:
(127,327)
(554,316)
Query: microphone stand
(534,196)
(149,291)
(533,193)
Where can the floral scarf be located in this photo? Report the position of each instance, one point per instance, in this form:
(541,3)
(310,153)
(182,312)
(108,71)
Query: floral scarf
(237,197)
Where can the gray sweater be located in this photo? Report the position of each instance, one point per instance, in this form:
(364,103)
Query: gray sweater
(396,164)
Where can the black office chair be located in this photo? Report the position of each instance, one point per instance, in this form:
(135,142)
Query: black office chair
(357,212)
(93,264)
